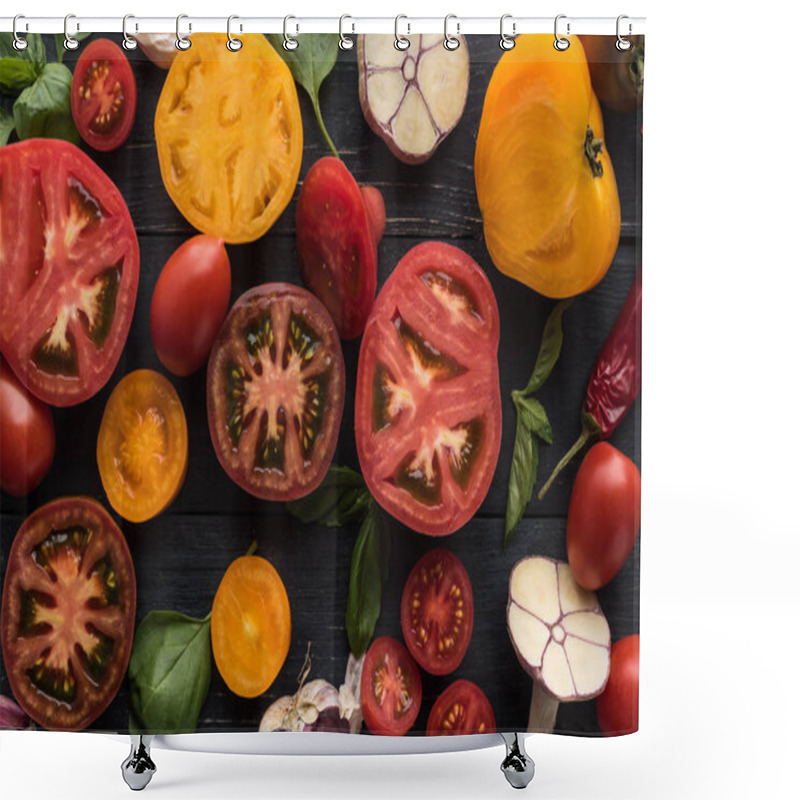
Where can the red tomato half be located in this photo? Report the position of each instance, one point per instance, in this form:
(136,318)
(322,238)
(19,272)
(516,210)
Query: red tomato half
(436,612)
(427,416)
(461,708)
(69,270)
(103,97)
(391,688)
(618,705)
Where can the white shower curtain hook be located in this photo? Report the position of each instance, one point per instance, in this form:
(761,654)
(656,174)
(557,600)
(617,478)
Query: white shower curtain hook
(560,42)
(401,42)
(70,42)
(20,42)
(623,44)
(289,43)
(181,41)
(128,42)
(345,42)
(234,44)
(451,42)
(507,42)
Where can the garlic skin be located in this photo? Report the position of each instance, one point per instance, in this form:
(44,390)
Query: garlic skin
(314,707)
(12,717)
(158,47)
(350,694)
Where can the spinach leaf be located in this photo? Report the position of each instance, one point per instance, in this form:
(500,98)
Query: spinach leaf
(341,498)
(20,68)
(169,672)
(550,349)
(6,126)
(310,63)
(43,109)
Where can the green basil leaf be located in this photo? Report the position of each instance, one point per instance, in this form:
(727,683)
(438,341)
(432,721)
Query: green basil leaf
(169,672)
(60,49)
(16,74)
(6,126)
(43,109)
(550,348)
(310,63)
(368,571)
(524,465)
(534,416)
(341,498)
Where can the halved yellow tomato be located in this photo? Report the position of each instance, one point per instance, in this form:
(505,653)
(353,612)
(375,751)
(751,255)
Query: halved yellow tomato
(142,447)
(229,136)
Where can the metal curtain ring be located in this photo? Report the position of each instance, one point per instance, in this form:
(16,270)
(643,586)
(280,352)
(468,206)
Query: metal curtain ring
(623,44)
(181,42)
(128,42)
(507,42)
(234,44)
(345,42)
(70,42)
(19,43)
(401,42)
(288,42)
(451,42)
(560,42)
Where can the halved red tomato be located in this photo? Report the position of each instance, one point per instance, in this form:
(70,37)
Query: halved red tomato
(461,708)
(69,270)
(275,391)
(103,96)
(69,603)
(391,688)
(428,415)
(437,611)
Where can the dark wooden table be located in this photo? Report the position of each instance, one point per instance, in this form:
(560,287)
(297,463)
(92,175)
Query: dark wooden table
(181,555)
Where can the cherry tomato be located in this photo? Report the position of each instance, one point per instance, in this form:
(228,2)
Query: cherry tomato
(618,705)
(69,270)
(27,436)
(275,392)
(603,516)
(69,605)
(617,75)
(338,230)
(427,412)
(189,303)
(436,612)
(461,708)
(391,688)
(103,95)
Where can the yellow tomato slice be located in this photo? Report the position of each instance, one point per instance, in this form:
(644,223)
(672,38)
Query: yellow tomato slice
(229,136)
(142,447)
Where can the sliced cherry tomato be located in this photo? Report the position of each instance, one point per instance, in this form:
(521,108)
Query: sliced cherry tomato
(27,436)
(460,709)
(436,612)
(618,705)
(251,626)
(142,447)
(428,415)
(391,688)
(337,242)
(229,136)
(275,392)
(69,603)
(603,516)
(103,95)
(189,303)
(69,270)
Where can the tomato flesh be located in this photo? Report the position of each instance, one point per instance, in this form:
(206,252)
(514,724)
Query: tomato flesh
(69,270)
(618,705)
(428,413)
(437,611)
(69,603)
(391,688)
(462,708)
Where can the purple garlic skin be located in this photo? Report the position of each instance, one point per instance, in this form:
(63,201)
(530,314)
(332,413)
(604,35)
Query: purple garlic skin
(12,717)
(330,722)
(303,710)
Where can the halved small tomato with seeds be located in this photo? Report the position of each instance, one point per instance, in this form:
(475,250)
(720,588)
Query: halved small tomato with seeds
(142,446)
(275,391)
(428,416)
(436,612)
(69,270)
(391,688)
(103,96)
(69,603)
(461,708)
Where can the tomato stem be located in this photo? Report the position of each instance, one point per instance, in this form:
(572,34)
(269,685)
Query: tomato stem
(636,68)
(322,127)
(252,549)
(592,148)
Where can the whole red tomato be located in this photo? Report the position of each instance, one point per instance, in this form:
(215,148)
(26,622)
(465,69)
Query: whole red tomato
(27,436)
(603,517)
(618,705)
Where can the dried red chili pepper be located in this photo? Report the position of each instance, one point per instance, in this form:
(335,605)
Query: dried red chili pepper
(615,380)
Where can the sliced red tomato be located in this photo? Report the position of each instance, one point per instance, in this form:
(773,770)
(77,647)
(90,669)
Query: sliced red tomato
(275,391)
(69,603)
(460,709)
(391,688)
(103,97)
(427,413)
(69,270)
(437,611)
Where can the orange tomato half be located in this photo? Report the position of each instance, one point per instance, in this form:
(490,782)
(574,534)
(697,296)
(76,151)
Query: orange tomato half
(142,447)
(251,626)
